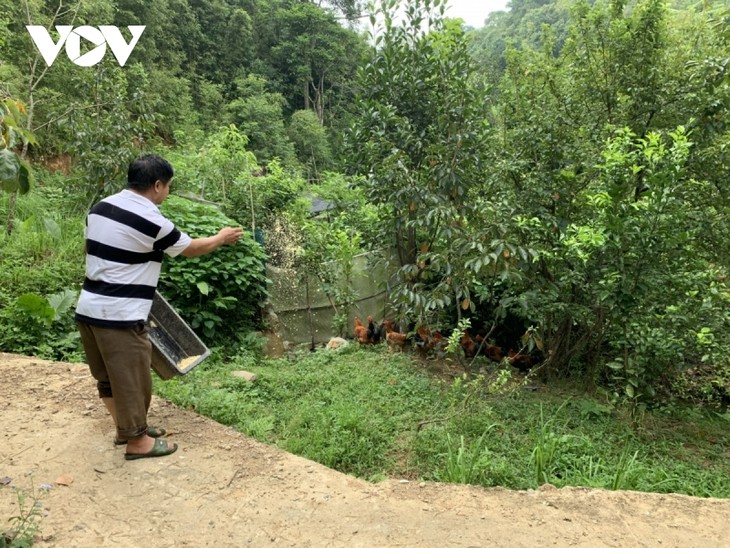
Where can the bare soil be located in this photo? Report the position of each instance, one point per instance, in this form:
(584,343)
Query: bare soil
(224,489)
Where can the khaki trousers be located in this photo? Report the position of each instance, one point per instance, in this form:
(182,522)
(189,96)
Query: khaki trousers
(120,361)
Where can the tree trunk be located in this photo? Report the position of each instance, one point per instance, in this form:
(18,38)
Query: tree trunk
(11,213)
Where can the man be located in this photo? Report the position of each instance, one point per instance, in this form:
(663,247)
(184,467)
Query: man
(126,238)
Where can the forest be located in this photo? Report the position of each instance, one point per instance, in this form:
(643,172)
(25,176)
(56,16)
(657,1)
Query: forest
(555,182)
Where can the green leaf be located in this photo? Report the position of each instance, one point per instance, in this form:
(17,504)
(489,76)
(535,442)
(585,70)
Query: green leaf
(9,166)
(52,227)
(25,177)
(62,301)
(36,306)
(204,288)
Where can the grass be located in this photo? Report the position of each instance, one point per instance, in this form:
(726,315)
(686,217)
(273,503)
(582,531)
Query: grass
(367,413)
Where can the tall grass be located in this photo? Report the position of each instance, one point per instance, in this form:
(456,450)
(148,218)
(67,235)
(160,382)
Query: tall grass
(371,414)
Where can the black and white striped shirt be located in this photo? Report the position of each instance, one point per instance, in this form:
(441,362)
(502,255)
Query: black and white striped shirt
(126,238)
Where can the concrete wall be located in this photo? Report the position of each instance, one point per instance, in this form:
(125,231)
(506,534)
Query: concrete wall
(305,312)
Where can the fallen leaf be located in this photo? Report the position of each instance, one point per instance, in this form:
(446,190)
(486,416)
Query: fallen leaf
(65,479)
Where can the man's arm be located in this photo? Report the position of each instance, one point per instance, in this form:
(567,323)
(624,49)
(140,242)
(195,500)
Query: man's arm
(203,246)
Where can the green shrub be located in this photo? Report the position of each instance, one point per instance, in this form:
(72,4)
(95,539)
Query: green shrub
(40,326)
(218,294)
(43,257)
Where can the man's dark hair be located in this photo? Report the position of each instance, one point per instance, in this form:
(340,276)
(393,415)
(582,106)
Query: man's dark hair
(147,169)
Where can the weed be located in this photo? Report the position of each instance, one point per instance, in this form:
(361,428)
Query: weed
(543,455)
(465,464)
(625,467)
(25,525)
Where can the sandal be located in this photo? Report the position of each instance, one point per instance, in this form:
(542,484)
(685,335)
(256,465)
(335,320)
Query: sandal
(160,449)
(152,432)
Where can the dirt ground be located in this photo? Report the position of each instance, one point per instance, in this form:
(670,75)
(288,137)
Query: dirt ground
(224,489)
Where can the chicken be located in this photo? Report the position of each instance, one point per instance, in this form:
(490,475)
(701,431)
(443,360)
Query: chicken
(469,345)
(430,340)
(393,337)
(361,332)
(492,351)
(375,332)
(523,362)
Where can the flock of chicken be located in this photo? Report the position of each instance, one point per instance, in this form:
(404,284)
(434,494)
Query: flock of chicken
(429,341)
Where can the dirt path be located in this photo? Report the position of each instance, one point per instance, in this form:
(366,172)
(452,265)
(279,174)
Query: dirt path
(224,489)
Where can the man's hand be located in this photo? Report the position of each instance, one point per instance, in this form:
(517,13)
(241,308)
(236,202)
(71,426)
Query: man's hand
(230,234)
(202,246)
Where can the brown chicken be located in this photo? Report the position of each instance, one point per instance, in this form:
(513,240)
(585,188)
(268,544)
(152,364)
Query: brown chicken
(430,340)
(393,337)
(491,351)
(361,332)
(523,362)
(469,345)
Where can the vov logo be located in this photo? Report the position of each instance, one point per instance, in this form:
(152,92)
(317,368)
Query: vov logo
(101,37)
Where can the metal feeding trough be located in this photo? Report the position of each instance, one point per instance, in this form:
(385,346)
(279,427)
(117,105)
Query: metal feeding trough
(176,349)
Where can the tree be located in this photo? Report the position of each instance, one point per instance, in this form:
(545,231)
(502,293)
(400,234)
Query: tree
(258,113)
(418,137)
(597,160)
(315,56)
(310,142)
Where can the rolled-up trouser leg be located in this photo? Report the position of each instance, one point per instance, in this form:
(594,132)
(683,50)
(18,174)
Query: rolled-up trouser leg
(122,358)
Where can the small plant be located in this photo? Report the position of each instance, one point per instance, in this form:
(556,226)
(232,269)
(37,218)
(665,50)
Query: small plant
(548,442)
(25,526)
(625,468)
(454,340)
(465,464)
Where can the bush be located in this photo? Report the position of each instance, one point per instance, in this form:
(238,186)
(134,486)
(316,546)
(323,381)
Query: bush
(220,293)
(42,257)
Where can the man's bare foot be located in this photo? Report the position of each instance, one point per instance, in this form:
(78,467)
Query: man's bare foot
(140,444)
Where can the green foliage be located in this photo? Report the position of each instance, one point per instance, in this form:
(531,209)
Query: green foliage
(105,139)
(36,310)
(185,70)
(225,171)
(343,409)
(15,172)
(548,443)
(465,464)
(351,211)
(599,176)
(41,326)
(218,294)
(259,116)
(260,201)
(310,143)
(419,141)
(328,255)
(212,169)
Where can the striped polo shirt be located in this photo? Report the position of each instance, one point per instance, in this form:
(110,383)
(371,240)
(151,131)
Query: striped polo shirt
(126,238)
